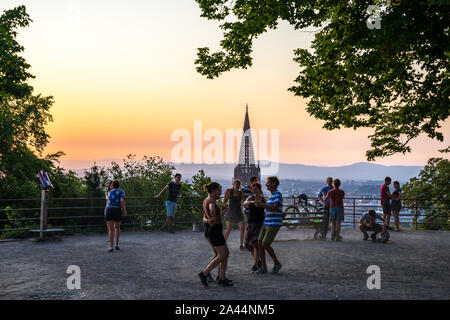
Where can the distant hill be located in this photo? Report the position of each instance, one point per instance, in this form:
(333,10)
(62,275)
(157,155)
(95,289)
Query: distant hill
(360,171)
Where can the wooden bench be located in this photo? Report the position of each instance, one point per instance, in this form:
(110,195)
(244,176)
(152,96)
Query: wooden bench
(41,232)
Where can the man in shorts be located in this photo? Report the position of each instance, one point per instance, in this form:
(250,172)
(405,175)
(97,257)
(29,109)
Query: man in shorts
(385,196)
(272,223)
(368,223)
(174,188)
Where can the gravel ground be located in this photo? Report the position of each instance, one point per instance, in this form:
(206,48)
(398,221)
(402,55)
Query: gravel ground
(155,265)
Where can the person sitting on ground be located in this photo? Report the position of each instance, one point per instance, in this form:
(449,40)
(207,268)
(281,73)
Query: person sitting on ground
(368,223)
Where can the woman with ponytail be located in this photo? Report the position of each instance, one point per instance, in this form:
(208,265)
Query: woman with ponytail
(213,218)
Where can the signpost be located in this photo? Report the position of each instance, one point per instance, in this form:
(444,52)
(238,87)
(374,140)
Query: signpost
(46,185)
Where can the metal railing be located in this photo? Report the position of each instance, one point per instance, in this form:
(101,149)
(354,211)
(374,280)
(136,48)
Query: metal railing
(88,213)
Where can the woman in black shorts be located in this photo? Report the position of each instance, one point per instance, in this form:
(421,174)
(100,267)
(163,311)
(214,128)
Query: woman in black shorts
(213,217)
(115,209)
(205,222)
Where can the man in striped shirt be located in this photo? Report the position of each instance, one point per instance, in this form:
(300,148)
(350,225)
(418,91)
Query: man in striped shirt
(272,223)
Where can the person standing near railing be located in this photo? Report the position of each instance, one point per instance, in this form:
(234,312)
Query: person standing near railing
(115,210)
(396,204)
(174,188)
(336,209)
(385,196)
(323,193)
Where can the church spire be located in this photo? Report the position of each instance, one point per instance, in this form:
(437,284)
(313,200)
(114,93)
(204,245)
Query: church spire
(246,167)
(246,121)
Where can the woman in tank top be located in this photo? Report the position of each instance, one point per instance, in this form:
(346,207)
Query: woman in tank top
(234,198)
(213,217)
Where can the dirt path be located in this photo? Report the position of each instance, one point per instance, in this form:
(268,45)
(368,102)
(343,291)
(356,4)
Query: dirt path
(165,266)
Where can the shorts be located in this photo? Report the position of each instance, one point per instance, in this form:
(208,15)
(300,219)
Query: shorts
(171,208)
(387,209)
(336,214)
(215,235)
(268,233)
(206,226)
(251,235)
(113,214)
(396,205)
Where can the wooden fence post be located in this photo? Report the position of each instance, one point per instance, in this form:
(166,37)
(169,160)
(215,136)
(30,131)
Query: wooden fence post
(415,211)
(44,212)
(354,214)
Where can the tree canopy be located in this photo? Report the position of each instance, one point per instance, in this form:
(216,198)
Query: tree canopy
(23,115)
(394,80)
(430,192)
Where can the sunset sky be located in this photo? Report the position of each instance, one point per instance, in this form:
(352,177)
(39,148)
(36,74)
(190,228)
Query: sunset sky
(123,78)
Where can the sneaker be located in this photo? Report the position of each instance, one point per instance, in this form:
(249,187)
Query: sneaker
(117,247)
(333,237)
(276,268)
(242,248)
(203,279)
(110,249)
(254,268)
(210,278)
(366,236)
(225,282)
(261,270)
(373,236)
(259,264)
(340,238)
